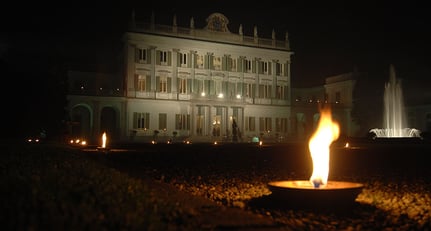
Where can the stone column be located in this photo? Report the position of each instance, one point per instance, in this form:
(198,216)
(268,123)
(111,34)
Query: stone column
(174,88)
(274,78)
(153,68)
(257,81)
(192,70)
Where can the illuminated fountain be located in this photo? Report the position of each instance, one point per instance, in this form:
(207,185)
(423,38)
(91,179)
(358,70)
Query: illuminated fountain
(318,190)
(394,116)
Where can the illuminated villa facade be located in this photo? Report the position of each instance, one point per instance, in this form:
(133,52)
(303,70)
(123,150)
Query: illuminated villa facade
(202,84)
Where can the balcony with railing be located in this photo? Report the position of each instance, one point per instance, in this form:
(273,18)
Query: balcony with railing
(237,99)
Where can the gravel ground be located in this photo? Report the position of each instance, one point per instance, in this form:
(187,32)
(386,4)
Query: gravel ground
(207,187)
(396,193)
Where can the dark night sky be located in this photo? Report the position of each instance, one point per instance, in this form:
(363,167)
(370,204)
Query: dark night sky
(328,39)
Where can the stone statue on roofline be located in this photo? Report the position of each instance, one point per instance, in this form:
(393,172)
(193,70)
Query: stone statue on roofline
(192,23)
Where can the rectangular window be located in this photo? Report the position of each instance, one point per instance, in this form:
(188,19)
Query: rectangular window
(232,64)
(141,120)
(199,124)
(238,90)
(268,124)
(218,88)
(217,63)
(280,69)
(162,121)
(265,124)
(179,122)
(182,86)
(280,92)
(200,61)
(141,82)
(182,122)
(188,122)
(248,65)
(265,91)
(164,58)
(231,89)
(249,90)
(250,124)
(163,84)
(264,67)
(262,124)
(200,87)
(183,59)
(268,91)
(141,55)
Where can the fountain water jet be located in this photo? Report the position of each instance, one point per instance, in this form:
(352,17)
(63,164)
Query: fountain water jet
(394,116)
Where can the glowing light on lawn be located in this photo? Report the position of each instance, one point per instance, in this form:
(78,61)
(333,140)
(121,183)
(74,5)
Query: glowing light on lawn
(104,140)
(327,132)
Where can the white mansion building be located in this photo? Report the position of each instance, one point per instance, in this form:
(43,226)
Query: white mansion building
(202,84)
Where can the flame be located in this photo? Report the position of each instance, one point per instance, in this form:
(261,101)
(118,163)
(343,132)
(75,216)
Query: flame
(327,132)
(104,140)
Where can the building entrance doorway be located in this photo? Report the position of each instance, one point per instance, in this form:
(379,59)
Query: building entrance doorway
(216,125)
(199,125)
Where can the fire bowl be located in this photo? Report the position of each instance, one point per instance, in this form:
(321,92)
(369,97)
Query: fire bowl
(302,193)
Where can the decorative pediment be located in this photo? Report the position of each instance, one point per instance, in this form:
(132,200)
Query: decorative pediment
(217,22)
